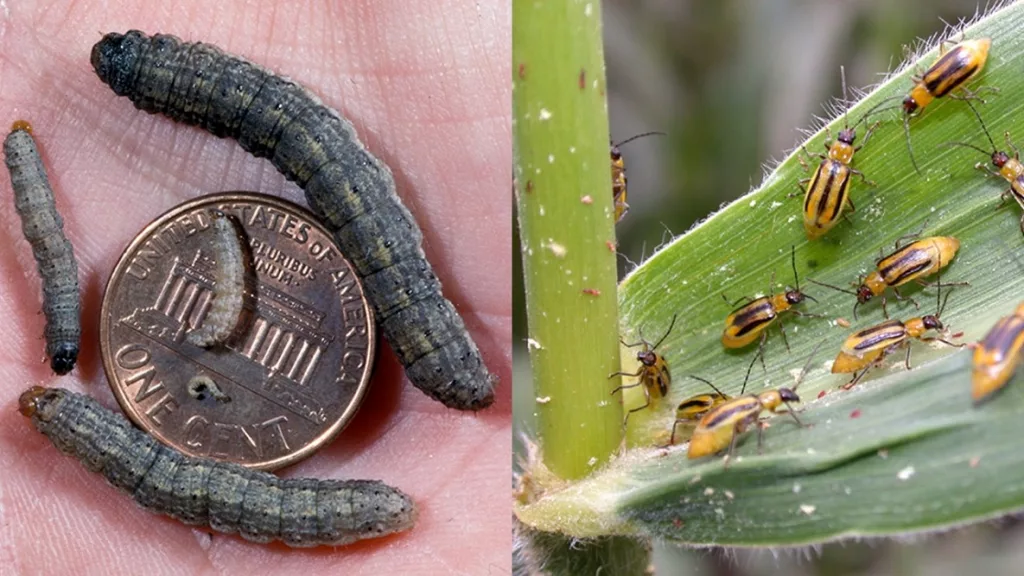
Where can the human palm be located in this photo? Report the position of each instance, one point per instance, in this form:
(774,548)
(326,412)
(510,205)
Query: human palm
(425,83)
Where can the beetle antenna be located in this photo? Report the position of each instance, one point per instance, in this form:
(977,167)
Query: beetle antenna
(792,260)
(807,366)
(965,145)
(708,382)
(983,128)
(813,281)
(875,109)
(630,139)
(747,377)
(667,332)
(910,149)
(938,286)
(846,100)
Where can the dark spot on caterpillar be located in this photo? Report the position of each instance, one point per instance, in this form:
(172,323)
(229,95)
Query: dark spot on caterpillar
(350,189)
(261,507)
(44,230)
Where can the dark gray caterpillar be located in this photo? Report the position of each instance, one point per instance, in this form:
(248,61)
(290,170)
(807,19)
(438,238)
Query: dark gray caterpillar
(261,507)
(229,267)
(349,188)
(44,230)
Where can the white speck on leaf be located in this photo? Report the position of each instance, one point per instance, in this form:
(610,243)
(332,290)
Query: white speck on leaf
(543,399)
(533,344)
(796,488)
(545,114)
(807,509)
(906,473)
(709,491)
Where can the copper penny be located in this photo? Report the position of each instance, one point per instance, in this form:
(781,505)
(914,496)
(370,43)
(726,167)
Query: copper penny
(293,373)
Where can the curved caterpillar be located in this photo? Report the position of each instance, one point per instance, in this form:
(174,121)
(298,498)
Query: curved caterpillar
(348,187)
(44,230)
(229,266)
(301,512)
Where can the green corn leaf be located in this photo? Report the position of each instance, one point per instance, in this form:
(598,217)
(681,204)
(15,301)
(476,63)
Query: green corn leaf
(902,452)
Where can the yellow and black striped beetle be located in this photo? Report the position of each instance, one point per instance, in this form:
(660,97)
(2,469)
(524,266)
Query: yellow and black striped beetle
(692,409)
(909,263)
(867,348)
(998,355)
(827,191)
(653,373)
(619,175)
(748,322)
(1009,169)
(953,68)
(722,426)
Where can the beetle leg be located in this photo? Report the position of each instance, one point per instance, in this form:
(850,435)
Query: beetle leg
(748,300)
(633,385)
(968,94)
(924,282)
(792,413)
(863,178)
(782,328)
(912,301)
(647,395)
(1016,152)
(946,342)
(760,352)
(672,439)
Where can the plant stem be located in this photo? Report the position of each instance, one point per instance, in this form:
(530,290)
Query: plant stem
(564,199)
(566,218)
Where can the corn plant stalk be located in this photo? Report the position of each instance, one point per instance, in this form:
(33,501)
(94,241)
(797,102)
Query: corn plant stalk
(564,201)
(904,452)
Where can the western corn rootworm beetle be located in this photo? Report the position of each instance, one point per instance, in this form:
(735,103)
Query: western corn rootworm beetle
(652,374)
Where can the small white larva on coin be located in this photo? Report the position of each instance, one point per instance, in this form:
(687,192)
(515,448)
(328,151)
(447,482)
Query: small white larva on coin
(353,191)
(229,268)
(301,512)
(44,230)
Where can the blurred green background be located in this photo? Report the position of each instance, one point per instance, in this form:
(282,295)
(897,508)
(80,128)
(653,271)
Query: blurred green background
(732,82)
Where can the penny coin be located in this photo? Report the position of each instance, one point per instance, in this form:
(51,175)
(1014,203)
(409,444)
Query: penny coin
(298,364)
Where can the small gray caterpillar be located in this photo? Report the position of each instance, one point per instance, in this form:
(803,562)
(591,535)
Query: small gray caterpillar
(229,269)
(301,512)
(44,230)
(352,190)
